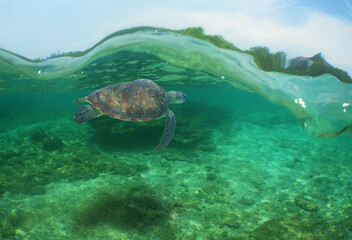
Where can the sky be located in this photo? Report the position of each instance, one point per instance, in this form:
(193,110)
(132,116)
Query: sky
(38,28)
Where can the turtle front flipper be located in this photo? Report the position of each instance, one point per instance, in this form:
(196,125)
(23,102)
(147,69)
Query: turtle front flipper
(169,130)
(86,113)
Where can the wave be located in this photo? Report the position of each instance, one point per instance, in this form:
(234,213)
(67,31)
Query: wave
(321,103)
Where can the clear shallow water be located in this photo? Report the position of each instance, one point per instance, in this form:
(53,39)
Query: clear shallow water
(239,167)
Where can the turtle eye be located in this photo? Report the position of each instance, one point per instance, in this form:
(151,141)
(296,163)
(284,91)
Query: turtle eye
(179,96)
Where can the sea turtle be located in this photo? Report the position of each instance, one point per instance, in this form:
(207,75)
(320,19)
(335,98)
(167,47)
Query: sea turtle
(139,101)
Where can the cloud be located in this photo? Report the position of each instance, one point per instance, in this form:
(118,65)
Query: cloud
(318,32)
(348,5)
(280,25)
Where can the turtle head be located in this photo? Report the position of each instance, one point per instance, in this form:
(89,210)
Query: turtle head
(176,97)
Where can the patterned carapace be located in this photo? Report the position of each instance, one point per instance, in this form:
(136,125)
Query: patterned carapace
(140,100)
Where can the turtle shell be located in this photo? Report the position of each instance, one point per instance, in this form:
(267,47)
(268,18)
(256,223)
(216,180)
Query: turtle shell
(139,100)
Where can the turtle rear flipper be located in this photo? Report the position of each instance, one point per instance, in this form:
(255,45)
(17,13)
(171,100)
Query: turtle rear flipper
(86,113)
(169,130)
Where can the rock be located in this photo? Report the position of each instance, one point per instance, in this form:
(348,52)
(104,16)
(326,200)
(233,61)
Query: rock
(7,155)
(232,223)
(48,141)
(210,147)
(52,143)
(39,135)
(246,201)
(134,207)
(2,189)
(272,229)
(211,176)
(292,163)
(305,204)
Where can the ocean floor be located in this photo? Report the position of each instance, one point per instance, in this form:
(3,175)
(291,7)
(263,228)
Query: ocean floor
(230,173)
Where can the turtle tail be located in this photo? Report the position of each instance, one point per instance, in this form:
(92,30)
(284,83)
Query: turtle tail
(79,100)
(86,113)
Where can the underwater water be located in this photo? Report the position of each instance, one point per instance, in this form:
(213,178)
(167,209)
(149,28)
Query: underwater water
(256,154)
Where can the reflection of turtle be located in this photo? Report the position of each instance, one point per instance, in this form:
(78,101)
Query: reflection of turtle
(139,101)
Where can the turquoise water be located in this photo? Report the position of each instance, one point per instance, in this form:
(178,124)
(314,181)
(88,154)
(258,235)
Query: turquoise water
(270,163)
